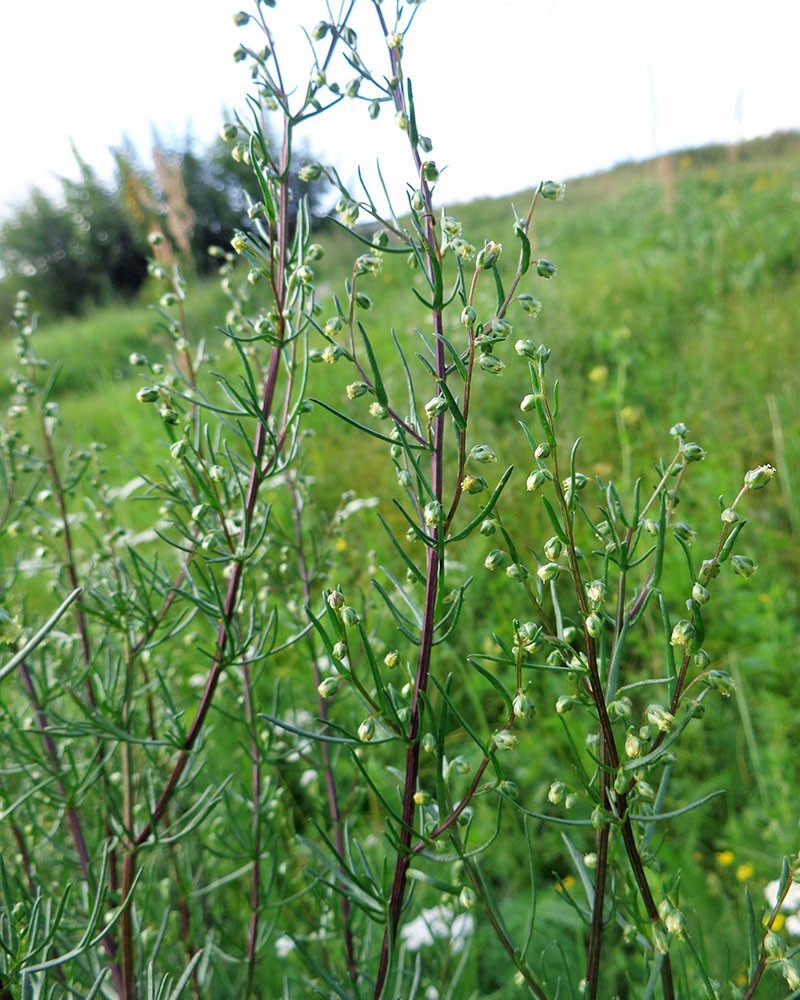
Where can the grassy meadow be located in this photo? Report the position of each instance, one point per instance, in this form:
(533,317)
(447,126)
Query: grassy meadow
(677,298)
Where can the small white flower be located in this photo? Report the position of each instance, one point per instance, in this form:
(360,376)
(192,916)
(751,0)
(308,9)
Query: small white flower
(791,903)
(438,922)
(284,946)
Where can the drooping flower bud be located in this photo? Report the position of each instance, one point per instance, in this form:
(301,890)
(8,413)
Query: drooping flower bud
(328,687)
(535,480)
(495,559)
(491,363)
(504,740)
(488,256)
(743,566)
(659,717)
(693,452)
(366,731)
(553,191)
(682,633)
(757,479)
(545,268)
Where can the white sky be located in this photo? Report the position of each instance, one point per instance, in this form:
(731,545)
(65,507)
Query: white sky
(511,91)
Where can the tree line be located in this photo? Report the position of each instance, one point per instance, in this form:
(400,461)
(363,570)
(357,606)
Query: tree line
(87,243)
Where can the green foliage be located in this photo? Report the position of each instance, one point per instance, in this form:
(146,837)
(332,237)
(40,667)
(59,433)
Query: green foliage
(397,665)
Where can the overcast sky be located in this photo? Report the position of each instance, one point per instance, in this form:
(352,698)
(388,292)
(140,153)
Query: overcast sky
(511,91)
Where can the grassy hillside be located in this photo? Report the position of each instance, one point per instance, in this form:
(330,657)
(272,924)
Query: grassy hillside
(676,299)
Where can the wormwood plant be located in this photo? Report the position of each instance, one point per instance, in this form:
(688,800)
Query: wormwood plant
(239,763)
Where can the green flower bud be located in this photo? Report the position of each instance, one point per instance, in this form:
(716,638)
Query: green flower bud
(328,687)
(543,451)
(682,633)
(523,706)
(545,268)
(422,798)
(391,659)
(791,973)
(729,516)
(216,473)
(693,452)
(474,484)
(168,414)
(650,526)
(525,348)
(333,326)
(548,571)
(404,478)
(774,945)
(553,547)
(495,559)
(708,570)
(356,389)
(369,263)
(684,533)
(721,680)
(491,363)
(621,708)
(349,616)
(309,172)
(425,144)
(488,527)
(659,717)
(319,31)
(702,659)
(336,600)
(531,305)
(431,513)
(482,453)
(435,406)
(700,595)
(743,566)
(553,191)
(430,171)
(504,740)
(594,625)
(528,402)
(757,479)
(564,704)
(535,480)
(556,792)
(488,256)
(339,650)
(148,394)
(366,731)
(363,301)
(596,593)
(599,818)
(178,448)
(428,743)
(501,328)
(633,745)
(469,316)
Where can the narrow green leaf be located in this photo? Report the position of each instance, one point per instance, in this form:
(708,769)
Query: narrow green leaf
(408,562)
(354,423)
(377,381)
(554,520)
(484,512)
(753,939)
(452,405)
(498,284)
(730,541)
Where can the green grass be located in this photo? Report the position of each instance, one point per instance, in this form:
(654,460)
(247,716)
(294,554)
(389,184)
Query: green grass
(676,298)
